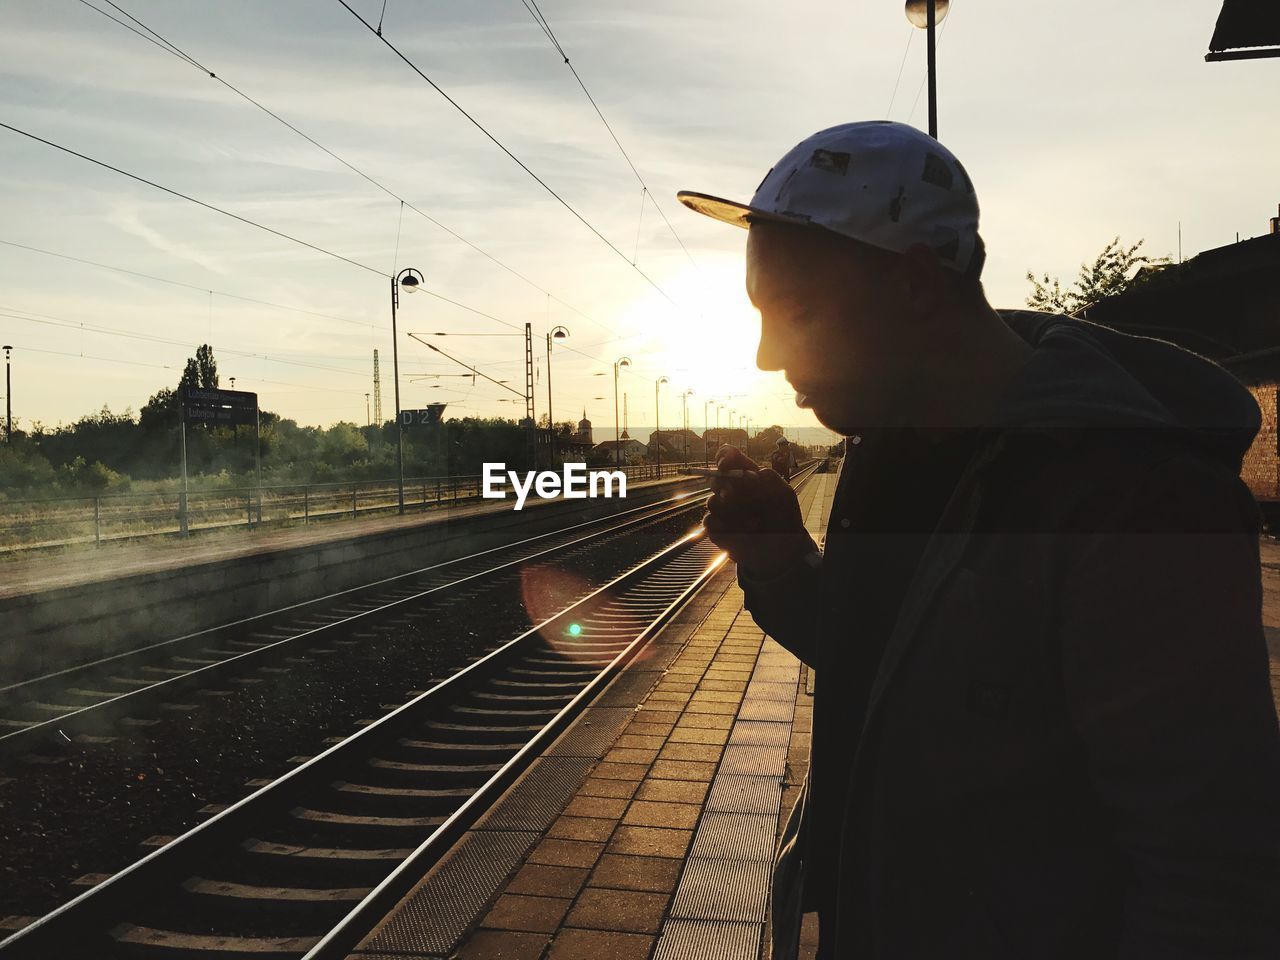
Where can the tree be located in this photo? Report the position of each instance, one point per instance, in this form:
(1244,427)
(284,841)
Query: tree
(1111,273)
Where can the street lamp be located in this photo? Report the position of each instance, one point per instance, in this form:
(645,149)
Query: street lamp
(410,279)
(617,432)
(706,428)
(367,419)
(657,422)
(557,333)
(927,14)
(685,399)
(8,397)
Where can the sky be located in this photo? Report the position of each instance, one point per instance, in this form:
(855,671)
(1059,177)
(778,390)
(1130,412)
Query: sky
(1077,122)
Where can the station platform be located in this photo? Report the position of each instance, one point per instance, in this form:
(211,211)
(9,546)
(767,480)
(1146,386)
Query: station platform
(648,829)
(35,572)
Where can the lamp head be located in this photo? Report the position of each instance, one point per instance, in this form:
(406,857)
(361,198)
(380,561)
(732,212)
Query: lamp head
(918,12)
(663,380)
(559,333)
(411,281)
(624,361)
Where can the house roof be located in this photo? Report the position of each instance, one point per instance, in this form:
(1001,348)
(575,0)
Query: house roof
(1221,304)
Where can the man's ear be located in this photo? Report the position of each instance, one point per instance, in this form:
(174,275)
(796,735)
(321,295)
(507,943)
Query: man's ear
(925,281)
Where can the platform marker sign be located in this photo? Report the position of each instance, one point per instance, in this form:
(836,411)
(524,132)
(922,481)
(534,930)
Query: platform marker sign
(219,407)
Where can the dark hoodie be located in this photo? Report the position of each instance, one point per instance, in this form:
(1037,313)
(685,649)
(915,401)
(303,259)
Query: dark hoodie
(1043,727)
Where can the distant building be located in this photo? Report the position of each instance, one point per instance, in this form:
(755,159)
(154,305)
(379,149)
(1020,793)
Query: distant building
(604,453)
(674,444)
(584,430)
(717,437)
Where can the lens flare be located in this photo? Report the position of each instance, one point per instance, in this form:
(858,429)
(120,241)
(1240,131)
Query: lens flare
(575,629)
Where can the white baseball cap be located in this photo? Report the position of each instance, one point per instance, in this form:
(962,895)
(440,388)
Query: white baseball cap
(877,181)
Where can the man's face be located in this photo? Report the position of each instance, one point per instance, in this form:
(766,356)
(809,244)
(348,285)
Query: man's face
(834,317)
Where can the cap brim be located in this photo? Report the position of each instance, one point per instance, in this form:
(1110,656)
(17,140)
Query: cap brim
(730,211)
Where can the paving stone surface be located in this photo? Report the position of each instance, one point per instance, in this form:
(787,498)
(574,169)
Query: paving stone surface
(602,883)
(607,880)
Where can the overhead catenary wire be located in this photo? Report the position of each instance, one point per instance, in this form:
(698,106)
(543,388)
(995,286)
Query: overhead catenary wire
(163,43)
(167,366)
(48,320)
(160,40)
(538,16)
(188,286)
(503,147)
(304,243)
(183,196)
(893,96)
(253,223)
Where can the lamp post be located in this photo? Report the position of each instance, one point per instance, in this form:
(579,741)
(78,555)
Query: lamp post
(706,428)
(927,14)
(685,399)
(410,279)
(367,419)
(617,431)
(557,333)
(657,423)
(8,397)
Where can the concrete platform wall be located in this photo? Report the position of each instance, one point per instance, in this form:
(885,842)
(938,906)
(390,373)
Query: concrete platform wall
(54,629)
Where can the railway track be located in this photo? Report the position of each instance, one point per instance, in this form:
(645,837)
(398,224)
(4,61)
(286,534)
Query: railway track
(93,696)
(303,865)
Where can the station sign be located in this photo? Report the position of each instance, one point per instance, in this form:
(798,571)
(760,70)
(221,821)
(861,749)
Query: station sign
(219,407)
(424,416)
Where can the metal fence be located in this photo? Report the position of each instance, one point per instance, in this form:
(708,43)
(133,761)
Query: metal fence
(69,521)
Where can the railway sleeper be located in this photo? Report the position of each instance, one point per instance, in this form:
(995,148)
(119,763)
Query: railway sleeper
(148,942)
(365,821)
(532,699)
(283,864)
(419,793)
(487,712)
(276,896)
(453,746)
(492,734)
(570,686)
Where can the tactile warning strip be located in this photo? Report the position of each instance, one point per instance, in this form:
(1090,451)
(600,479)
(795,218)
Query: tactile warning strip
(761,733)
(708,940)
(539,796)
(776,710)
(594,733)
(763,690)
(732,793)
(723,890)
(433,918)
(762,761)
(735,836)
(630,688)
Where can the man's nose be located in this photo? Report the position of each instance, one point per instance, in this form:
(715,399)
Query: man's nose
(770,353)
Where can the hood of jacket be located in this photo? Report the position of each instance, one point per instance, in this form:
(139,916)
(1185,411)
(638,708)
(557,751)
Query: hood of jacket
(1082,375)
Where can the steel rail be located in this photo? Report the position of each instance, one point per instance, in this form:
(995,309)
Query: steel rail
(99,910)
(102,906)
(92,715)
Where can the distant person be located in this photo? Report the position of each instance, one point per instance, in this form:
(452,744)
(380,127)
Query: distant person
(1042,720)
(783,459)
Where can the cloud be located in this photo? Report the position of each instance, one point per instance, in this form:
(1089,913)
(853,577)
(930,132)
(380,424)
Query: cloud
(128,219)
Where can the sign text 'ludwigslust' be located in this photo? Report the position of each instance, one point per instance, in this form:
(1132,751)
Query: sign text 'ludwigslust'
(574,484)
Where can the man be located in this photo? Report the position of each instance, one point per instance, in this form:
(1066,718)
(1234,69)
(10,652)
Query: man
(783,459)
(1042,720)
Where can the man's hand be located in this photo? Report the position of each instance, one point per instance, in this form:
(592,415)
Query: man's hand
(755,517)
